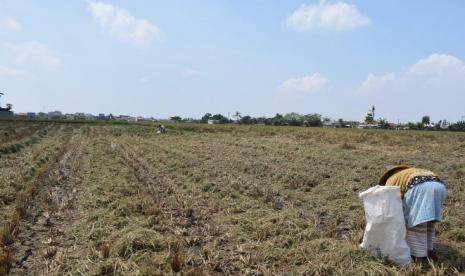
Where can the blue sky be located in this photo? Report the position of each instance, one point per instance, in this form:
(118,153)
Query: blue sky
(166,58)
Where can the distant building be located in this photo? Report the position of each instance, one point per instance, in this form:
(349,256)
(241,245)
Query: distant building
(102,117)
(126,118)
(79,116)
(55,115)
(21,115)
(340,124)
(6,114)
(69,117)
(41,116)
(429,126)
(352,124)
(444,125)
(31,115)
(122,118)
(329,124)
(213,122)
(368,126)
(89,117)
(143,119)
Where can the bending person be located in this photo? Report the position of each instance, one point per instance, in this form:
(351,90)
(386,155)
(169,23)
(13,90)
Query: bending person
(423,195)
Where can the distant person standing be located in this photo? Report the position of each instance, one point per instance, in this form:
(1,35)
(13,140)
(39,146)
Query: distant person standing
(423,195)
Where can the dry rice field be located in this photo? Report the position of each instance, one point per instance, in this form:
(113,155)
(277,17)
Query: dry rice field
(106,199)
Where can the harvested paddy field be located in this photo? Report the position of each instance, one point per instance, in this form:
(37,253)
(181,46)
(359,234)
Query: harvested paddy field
(96,199)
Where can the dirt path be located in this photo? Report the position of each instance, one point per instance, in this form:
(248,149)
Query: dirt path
(44,246)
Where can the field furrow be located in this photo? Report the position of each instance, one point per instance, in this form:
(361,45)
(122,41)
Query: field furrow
(44,245)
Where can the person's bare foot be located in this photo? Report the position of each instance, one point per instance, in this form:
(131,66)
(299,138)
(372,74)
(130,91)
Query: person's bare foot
(432,255)
(420,260)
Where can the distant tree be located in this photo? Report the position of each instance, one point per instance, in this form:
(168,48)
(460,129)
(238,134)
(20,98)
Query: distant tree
(459,126)
(260,120)
(246,120)
(278,120)
(369,118)
(412,126)
(189,120)
(313,120)
(383,123)
(425,120)
(206,117)
(222,119)
(341,122)
(293,116)
(293,119)
(326,120)
(415,126)
(176,119)
(295,122)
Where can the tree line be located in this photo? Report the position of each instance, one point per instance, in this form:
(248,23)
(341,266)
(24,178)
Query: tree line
(290,119)
(316,120)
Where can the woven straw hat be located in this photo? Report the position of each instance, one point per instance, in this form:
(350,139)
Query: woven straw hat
(389,173)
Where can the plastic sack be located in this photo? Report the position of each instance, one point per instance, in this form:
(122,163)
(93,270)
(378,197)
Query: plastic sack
(385,232)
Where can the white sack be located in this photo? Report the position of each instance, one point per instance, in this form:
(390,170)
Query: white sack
(385,232)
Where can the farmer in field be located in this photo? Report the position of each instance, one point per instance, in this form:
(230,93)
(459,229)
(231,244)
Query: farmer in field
(161,129)
(423,195)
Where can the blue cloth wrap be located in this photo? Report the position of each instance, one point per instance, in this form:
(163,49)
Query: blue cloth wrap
(423,203)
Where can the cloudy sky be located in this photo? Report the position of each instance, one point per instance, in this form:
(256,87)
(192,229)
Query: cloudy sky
(259,57)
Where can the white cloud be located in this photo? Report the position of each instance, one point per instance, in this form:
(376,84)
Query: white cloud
(10,24)
(339,16)
(438,71)
(189,72)
(304,85)
(8,72)
(122,25)
(373,81)
(437,64)
(34,54)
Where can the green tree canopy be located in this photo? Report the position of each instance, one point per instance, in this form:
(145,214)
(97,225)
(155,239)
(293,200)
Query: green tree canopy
(206,117)
(425,120)
(176,118)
